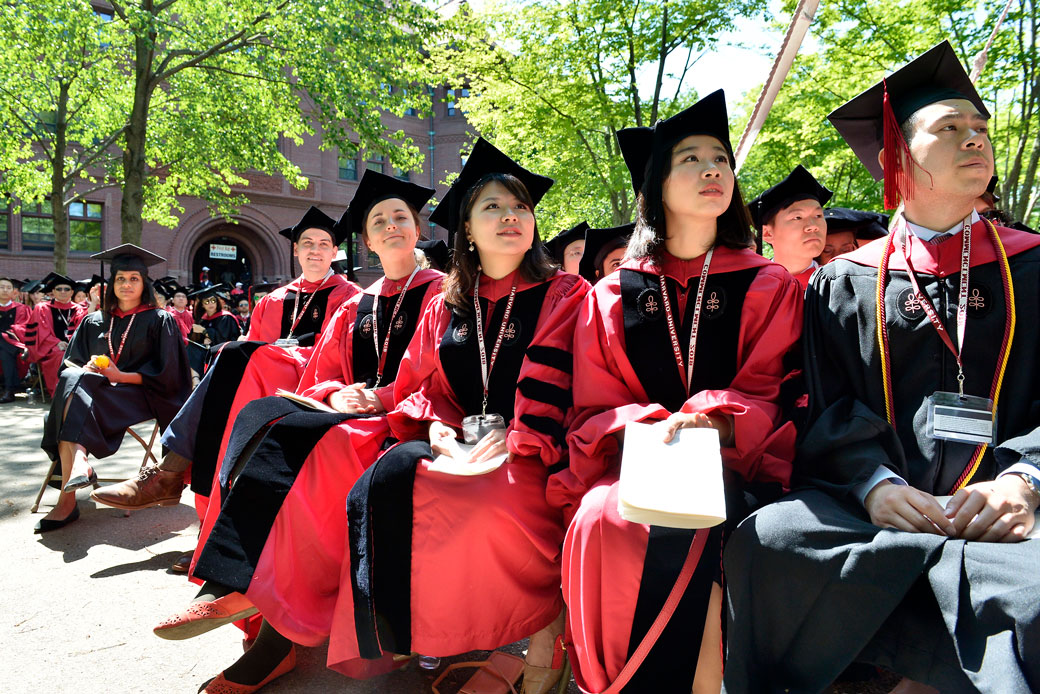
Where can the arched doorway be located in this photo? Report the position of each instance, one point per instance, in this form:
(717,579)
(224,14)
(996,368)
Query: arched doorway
(227,260)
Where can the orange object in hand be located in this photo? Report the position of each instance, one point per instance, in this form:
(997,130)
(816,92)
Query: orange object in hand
(102,362)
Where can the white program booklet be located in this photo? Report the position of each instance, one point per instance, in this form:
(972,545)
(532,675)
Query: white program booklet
(676,484)
(458,462)
(304,401)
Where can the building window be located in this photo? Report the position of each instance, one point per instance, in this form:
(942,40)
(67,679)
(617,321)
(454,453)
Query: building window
(401,174)
(453,104)
(84,227)
(374,163)
(348,167)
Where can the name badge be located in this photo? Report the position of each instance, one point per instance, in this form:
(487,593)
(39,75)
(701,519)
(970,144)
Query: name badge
(286,342)
(967,419)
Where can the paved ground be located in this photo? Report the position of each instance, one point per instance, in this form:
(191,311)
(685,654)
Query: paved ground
(79,603)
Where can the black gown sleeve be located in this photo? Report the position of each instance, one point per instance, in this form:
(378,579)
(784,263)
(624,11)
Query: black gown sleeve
(224,329)
(844,439)
(167,371)
(79,349)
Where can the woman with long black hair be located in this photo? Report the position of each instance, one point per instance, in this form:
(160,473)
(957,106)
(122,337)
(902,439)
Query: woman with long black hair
(130,367)
(690,331)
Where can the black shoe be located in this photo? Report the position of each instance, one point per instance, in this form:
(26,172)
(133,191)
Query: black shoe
(81,481)
(7,396)
(45,525)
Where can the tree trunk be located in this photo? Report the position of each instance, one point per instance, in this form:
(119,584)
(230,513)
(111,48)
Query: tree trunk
(60,215)
(135,165)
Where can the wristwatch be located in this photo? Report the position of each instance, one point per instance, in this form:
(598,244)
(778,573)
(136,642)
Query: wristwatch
(1031,482)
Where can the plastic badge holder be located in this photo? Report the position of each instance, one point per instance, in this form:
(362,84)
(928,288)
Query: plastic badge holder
(286,342)
(967,419)
(475,427)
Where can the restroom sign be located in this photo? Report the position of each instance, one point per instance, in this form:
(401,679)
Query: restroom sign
(222,251)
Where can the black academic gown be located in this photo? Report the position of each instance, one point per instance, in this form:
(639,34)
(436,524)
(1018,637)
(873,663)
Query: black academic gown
(100,412)
(921,605)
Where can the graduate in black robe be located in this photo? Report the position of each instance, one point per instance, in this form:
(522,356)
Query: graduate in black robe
(143,375)
(868,561)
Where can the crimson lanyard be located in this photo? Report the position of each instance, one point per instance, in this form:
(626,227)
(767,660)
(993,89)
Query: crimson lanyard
(693,328)
(122,341)
(485,367)
(389,327)
(962,299)
(296,304)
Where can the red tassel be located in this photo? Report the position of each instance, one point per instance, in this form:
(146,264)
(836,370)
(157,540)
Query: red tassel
(899,181)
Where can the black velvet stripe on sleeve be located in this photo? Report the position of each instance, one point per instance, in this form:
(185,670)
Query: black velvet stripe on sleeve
(547,393)
(553,357)
(546,425)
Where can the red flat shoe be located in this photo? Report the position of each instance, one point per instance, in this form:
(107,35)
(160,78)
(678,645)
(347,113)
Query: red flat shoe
(201,617)
(222,685)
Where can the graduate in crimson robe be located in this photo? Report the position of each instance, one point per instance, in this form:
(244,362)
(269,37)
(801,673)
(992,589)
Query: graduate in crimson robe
(617,574)
(292,488)
(178,308)
(13,319)
(888,572)
(297,312)
(442,564)
(144,375)
(55,321)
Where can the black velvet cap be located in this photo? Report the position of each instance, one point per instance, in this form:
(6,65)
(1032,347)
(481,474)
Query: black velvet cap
(162,289)
(799,185)
(640,146)
(436,251)
(557,244)
(598,244)
(53,279)
(314,218)
(865,225)
(373,189)
(485,159)
(31,286)
(130,258)
(219,290)
(934,76)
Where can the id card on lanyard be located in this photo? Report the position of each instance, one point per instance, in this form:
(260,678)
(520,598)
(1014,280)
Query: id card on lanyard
(954,416)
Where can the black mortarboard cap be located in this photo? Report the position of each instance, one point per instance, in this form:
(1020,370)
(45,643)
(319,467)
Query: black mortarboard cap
(598,244)
(129,257)
(799,185)
(640,146)
(436,251)
(219,290)
(557,244)
(162,289)
(32,286)
(865,225)
(314,219)
(374,188)
(934,76)
(483,160)
(53,279)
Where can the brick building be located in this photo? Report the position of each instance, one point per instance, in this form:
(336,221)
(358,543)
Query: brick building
(250,246)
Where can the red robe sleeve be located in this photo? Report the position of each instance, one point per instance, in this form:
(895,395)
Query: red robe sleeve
(266,321)
(46,341)
(329,368)
(15,336)
(608,395)
(544,405)
(421,390)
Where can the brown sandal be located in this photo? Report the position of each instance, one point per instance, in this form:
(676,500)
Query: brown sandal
(496,675)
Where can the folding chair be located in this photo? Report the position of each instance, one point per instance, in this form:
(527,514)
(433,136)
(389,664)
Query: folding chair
(54,472)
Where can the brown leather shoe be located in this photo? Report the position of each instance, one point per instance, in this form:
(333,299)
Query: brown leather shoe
(153,487)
